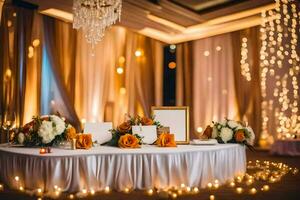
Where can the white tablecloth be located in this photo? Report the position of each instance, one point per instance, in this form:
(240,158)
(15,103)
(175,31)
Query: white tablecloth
(144,168)
(288,147)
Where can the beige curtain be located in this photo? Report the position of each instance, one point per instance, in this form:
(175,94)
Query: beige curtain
(213,80)
(33,72)
(248,92)
(101,94)
(184,80)
(1,5)
(59,45)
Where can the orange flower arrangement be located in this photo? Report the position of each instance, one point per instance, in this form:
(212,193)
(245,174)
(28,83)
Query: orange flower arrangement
(239,136)
(71,133)
(84,141)
(125,127)
(128,141)
(166,140)
(145,121)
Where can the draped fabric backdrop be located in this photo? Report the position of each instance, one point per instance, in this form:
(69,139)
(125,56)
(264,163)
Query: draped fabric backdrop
(184,80)
(19,85)
(214,95)
(248,92)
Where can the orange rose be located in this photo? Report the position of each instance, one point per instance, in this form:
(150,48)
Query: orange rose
(208,132)
(239,136)
(166,140)
(128,141)
(71,133)
(125,127)
(146,121)
(84,141)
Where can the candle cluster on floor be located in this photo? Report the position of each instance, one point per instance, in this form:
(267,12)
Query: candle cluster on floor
(259,176)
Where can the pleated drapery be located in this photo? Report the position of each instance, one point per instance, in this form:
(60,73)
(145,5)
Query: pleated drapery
(60,52)
(214,95)
(19,63)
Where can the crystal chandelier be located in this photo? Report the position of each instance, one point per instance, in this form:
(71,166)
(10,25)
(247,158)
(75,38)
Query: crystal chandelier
(94,16)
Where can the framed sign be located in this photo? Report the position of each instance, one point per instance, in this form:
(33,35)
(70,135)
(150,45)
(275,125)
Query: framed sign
(176,118)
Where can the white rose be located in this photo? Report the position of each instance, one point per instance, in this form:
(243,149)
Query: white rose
(21,138)
(233,124)
(226,134)
(60,125)
(223,122)
(214,132)
(250,139)
(46,132)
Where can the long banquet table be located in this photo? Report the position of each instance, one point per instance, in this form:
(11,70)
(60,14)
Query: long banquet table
(143,168)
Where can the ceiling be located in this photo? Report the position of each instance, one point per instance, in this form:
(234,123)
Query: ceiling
(174,21)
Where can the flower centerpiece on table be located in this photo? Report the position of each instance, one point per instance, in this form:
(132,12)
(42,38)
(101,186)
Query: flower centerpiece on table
(46,130)
(123,137)
(230,131)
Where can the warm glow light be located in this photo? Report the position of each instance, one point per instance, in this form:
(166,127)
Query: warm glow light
(209,185)
(252,191)
(122,60)
(36,43)
(265,188)
(172,65)
(206,53)
(83,121)
(212,197)
(173,46)
(239,190)
(199,129)
(122,90)
(195,190)
(84,191)
(92,191)
(17,178)
(71,196)
(138,53)
(21,188)
(39,190)
(106,189)
(218,48)
(120,70)
(174,195)
(126,190)
(232,184)
(150,192)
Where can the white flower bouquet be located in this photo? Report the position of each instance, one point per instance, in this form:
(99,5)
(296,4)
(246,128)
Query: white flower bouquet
(230,131)
(43,131)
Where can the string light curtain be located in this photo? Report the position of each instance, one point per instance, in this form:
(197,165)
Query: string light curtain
(279,65)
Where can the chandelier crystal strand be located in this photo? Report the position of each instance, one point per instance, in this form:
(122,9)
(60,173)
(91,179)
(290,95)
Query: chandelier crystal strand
(95,16)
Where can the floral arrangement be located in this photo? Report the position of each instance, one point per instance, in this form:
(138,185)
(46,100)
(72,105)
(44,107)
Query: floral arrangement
(166,140)
(122,136)
(230,131)
(46,130)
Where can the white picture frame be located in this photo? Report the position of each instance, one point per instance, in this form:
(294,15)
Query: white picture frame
(175,117)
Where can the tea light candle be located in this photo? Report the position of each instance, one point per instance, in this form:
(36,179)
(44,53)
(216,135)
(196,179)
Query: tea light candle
(42,151)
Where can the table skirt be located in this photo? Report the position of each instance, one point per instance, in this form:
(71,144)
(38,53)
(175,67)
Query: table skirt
(288,147)
(144,168)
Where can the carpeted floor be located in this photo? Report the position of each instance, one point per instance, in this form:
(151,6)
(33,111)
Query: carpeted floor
(288,188)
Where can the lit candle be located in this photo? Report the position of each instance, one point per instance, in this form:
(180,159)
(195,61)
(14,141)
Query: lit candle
(42,150)
(212,197)
(150,192)
(265,188)
(106,189)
